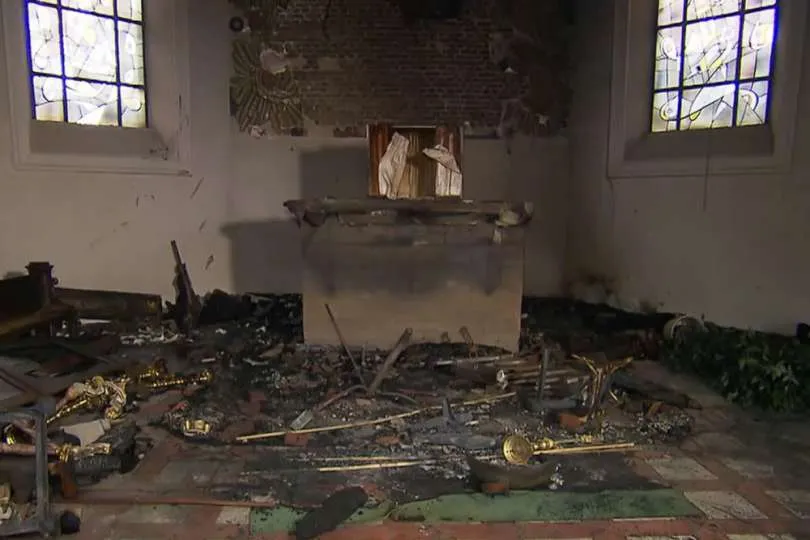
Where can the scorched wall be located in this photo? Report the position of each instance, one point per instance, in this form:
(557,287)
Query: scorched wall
(112,231)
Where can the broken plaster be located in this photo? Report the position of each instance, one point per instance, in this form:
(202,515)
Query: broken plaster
(273,61)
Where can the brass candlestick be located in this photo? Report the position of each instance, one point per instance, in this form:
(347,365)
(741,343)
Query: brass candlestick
(518,450)
(590,448)
(117,396)
(156,370)
(68,452)
(95,393)
(110,394)
(85,402)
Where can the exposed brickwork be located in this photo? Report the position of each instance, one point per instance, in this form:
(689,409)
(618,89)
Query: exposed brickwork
(359,62)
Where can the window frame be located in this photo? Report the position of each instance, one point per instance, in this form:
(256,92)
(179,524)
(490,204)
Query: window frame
(163,147)
(120,85)
(635,151)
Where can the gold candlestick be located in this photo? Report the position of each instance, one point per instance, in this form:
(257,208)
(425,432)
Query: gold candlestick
(519,450)
(73,406)
(590,448)
(67,452)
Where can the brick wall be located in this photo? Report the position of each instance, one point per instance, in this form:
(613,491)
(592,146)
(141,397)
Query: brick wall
(359,61)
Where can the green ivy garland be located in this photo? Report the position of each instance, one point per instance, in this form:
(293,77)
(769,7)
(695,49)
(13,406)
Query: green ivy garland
(752,369)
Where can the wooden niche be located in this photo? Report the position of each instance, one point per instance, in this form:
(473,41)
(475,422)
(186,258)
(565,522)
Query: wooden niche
(419,178)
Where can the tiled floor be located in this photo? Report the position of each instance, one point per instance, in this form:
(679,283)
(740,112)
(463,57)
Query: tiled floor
(749,469)
(751,490)
(797,501)
(736,505)
(724,505)
(678,469)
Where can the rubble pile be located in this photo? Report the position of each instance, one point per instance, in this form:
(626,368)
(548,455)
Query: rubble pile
(232,370)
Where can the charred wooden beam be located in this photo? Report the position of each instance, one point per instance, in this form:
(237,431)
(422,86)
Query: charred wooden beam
(111,305)
(187,306)
(24,295)
(41,319)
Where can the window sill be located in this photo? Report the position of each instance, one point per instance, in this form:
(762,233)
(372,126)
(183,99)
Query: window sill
(48,146)
(104,165)
(747,150)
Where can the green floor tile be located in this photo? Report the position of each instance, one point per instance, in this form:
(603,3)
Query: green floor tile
(517,506)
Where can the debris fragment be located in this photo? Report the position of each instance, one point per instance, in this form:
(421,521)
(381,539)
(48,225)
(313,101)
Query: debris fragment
(88,432)
(416,410)
(402,342)
(187,307)
(680,326)
(301,421)
(336,509)
(652,391)
(374,422)
(496,479)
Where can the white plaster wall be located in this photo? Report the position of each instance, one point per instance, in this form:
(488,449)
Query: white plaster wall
(731,248)
(113,231)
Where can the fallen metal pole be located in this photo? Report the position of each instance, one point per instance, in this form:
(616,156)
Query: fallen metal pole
(374,422)
(402,342)
(42,522)
(149,500)
(357,368)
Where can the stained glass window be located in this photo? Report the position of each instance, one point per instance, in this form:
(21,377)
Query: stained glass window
(87,62)
(713,63)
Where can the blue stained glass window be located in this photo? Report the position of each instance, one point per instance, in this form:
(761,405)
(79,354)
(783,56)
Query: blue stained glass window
(86,61)
(713,63)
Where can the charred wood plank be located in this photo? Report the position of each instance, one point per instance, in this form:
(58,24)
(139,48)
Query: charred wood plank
(111,305)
